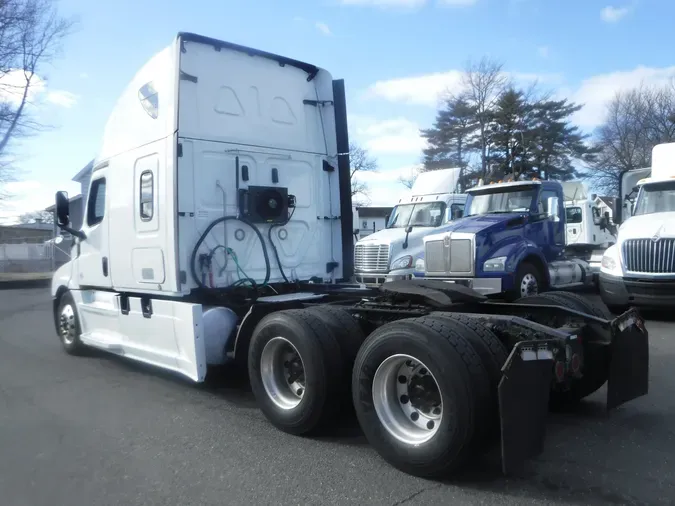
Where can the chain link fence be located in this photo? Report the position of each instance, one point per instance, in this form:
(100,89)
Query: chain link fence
(28,255)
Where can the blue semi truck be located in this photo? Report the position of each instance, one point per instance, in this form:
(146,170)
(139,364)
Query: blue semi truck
(511,242)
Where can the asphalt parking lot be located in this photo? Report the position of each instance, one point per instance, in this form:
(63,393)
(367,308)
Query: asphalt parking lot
(101,431)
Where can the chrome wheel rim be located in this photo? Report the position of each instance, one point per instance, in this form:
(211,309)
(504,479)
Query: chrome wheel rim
(529,285)
(283,373)
(407,399)
(67,325)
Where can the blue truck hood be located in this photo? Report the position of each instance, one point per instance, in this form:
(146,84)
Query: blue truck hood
(482,223)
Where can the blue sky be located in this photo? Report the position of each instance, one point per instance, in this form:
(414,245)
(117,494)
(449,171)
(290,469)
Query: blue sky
(396,56)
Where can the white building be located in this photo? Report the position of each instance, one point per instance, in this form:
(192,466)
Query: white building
(371,219)
(606,205)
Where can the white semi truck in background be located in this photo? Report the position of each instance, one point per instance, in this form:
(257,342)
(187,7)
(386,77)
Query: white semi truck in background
(390,254)
(639,270)
(218,231)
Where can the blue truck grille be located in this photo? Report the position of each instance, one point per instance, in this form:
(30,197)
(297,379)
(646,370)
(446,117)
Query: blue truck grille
(650,257)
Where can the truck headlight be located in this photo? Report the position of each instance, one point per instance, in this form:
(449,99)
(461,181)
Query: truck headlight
(402,263)
(611,264)
(497,264)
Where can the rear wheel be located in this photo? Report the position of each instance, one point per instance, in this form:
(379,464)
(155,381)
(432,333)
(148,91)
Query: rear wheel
(421,395)
(595,369)
(349,333)
(492,352)
(295,370)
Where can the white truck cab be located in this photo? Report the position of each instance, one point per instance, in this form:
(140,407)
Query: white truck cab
(585,224)
(640,269)
(209,151)
(390,254)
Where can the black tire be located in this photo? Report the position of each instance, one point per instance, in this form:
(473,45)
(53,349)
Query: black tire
(345,327)
(461,377)
(323,370)
(525,269)
(617,310)
(68,326)
(597,357)
(582,303)
(493,354)
(491,350)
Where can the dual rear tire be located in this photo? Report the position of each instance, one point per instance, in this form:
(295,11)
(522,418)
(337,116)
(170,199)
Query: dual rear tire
(424,389)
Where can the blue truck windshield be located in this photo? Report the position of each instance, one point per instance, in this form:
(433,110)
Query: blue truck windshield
(423,214)
(504,201)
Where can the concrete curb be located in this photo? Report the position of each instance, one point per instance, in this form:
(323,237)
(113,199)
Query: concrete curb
(17,284)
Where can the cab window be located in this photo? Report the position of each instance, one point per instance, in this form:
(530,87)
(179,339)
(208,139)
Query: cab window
(96,204)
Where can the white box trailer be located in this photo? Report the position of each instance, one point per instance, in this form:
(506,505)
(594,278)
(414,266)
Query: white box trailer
(218,229)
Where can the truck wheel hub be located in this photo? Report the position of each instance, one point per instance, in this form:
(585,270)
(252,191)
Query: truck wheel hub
(67,324)
(282,373)
(529,285)
(407,399)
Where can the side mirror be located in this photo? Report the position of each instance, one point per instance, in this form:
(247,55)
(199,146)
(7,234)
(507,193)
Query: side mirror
(63,215)
(607,215)
(62,209)
(553,211)
(596,216)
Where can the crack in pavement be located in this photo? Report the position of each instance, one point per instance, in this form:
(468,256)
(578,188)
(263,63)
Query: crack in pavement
(416,494)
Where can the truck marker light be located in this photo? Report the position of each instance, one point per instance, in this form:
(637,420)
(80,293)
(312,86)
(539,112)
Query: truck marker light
(559,371)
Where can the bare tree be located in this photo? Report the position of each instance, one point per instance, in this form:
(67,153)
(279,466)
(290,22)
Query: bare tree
(37,217)
(636,121)
(360,161)
(483,82)
(31,33)
(408,182)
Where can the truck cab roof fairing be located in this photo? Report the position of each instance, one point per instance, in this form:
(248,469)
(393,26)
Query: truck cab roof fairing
(311,70)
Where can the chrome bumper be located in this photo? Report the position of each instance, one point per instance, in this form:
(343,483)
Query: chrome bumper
(485,286)
(377,279)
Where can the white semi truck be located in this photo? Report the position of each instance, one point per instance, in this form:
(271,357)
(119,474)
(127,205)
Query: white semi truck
(218,231)
(640,269)
(390,254)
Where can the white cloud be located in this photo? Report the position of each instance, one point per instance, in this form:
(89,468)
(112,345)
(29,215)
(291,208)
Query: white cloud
(323,28)
(12,87)
(596,91)
(387,137)
(30,195)
(418,90)
(428,89)
(611,14)
(63,98)
(384,186)
(543,51)
(457,3)
(409,4)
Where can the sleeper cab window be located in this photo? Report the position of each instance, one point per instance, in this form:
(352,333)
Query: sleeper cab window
(149,98)
(147,195)
(96,206)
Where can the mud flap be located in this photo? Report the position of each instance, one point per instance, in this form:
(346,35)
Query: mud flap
(524,392)
(629,366)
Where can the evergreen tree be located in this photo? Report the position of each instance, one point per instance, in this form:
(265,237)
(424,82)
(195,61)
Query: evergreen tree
(557,144)
(510,126)
(450,139)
